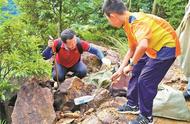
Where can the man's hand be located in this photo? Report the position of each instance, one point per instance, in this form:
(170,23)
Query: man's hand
(128,69)
(50,41)
(116,75)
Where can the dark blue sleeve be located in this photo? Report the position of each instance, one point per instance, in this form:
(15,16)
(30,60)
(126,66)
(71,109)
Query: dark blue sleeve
(96,52)
(47,53)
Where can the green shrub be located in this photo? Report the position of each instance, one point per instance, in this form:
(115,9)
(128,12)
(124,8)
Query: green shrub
(3,122)
(171,10)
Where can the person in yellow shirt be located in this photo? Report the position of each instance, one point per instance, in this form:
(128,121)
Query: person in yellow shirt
(153,47)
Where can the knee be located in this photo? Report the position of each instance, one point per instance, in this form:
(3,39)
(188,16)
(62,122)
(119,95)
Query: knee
(81,73)
(60,78)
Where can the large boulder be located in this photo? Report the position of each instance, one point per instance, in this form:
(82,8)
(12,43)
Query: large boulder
(34,105)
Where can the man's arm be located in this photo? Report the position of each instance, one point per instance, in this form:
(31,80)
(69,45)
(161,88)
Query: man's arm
(96,52)
(140,50)
(128,55)
(47,53)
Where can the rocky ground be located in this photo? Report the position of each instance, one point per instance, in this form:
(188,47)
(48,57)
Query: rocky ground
(106,112)
(37,100)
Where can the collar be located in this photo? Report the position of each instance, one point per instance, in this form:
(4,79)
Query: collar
(132,18)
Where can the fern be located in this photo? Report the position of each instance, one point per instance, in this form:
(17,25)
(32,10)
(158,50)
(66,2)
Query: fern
(3,122)
(117,44)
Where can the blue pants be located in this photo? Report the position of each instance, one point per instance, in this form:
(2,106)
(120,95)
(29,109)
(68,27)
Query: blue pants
(79,69)
(143,85)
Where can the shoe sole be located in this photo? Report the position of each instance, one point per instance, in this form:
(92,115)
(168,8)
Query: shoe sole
(129,112)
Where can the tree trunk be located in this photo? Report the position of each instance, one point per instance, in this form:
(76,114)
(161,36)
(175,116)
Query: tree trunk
(59,18)
(154,7)
(129,4)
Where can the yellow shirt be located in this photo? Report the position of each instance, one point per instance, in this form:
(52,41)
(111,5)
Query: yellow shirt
(158,32)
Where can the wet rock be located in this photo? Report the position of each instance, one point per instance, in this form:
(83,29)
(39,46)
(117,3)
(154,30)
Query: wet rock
(34,105)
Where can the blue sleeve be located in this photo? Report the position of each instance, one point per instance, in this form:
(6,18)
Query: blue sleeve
(47,53)
(96,52)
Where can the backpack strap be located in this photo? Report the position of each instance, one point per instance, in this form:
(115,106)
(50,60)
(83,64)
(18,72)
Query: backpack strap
(58,47)
(79,46)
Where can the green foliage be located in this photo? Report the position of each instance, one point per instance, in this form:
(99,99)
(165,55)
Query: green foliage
(171,10)
(20,54)
(6,88)
(117,44)
(20,50)
(141,5)
(3,122)
(85,17)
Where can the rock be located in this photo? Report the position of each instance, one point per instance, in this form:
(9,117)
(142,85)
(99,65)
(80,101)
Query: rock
(113,56)
(34,105)
(108,116)
(71,115)
(59,100)
(75,87)
(70,89)
(121,83)
(65,121)
(91,120)
(101,95)
(114,102)
(94,64)
(89,111)
(119,87)
(110,54)
(105,116)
